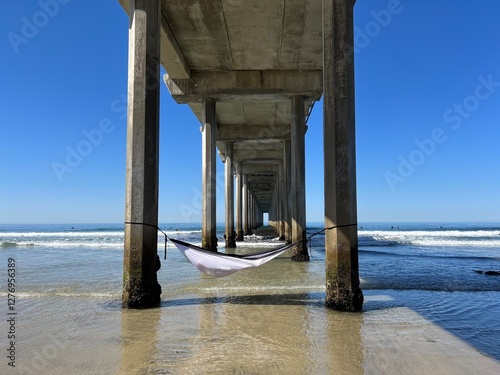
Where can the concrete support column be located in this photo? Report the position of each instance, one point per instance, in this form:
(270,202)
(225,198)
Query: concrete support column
(283,202)
(341,244)
(230,236)
(141,262)
(287,190)
(250,210)
(250,207)
(256,213)
(298,181)
(281,194)
(245,205)
(277,208)
(259,216)
(270,215)
(208,185)
(239,203)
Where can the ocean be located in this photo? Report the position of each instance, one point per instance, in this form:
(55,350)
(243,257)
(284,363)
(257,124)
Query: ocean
(431,295)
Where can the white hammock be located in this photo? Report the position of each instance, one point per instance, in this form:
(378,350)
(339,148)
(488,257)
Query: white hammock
(218,265)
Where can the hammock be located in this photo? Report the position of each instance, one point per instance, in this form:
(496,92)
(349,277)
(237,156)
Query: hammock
(218,265)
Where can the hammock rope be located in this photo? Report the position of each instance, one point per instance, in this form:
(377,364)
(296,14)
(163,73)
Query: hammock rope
(158,228)
(324,230)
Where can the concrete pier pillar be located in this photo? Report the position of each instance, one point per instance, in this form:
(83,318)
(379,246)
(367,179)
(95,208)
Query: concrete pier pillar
(245,204)
(298,182)
(270,215)
(249,228)
(209,137)
(228,168)
(259,216)
(141,262)
(250,207)
(341,244)
(239,203)
(282,203)
(275,208)
(254,211)
(251,212)
(287,190)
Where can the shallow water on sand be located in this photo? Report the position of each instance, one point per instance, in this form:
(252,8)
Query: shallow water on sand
(286,333)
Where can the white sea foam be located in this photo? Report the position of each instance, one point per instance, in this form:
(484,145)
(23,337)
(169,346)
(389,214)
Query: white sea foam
(456,238)
(61,234)
(430,233)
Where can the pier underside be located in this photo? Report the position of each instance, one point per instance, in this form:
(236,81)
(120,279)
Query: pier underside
(251,72)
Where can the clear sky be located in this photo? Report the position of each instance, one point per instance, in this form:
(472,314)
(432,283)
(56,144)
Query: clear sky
(427,112)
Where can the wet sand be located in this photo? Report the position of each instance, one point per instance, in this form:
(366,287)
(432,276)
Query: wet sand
(244,333)
(268,320)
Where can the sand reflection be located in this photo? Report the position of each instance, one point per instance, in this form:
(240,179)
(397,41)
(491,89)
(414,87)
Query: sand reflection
(245,334)
(139,338)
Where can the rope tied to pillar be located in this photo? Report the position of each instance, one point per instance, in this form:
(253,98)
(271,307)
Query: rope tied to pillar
(309,242)
(324,230)
(158,228)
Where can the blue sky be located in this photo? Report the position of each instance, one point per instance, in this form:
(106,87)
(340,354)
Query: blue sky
(427,112)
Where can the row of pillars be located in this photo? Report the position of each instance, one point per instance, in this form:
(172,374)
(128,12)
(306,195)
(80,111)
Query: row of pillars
(140,285)
(287,216)
(248,212)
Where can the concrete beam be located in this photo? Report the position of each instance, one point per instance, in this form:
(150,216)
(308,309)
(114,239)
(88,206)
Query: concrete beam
(266,169)
(251,150)
(261,184)
(341,244)
(252,132)
(262,161)
(258,145)
(172,58)
(140,261)
(250,85)
(253,156)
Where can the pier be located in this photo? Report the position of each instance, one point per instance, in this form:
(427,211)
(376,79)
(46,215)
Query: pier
(251,72)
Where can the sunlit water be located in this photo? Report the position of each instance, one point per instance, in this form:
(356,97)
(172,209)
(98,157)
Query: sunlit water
(268,320)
